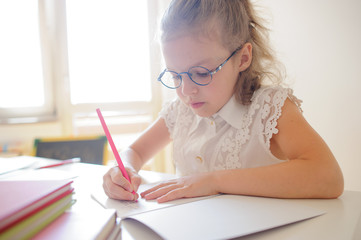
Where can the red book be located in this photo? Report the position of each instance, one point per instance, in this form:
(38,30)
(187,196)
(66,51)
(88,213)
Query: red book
(20,199)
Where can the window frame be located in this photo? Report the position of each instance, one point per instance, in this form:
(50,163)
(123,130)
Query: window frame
(57,107)
(46,112)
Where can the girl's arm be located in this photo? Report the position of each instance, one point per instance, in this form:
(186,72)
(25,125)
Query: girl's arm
(311,172)
(145,147)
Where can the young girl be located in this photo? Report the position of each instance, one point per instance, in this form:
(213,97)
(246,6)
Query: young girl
(232,131)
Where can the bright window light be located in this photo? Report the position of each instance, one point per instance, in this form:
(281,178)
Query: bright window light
(21,78)
(108,50)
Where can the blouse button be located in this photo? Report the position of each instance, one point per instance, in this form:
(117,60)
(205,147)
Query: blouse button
(200,159)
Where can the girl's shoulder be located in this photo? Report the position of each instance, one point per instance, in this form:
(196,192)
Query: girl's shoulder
(174,112)
(273,96)
(174,107)
(266,109)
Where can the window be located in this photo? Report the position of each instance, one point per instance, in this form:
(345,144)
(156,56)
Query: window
(23,86)
(62,59)
(108,49)
(75,55)
(109,65)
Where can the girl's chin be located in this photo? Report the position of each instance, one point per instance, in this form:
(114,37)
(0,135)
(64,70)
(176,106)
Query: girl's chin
(201,113)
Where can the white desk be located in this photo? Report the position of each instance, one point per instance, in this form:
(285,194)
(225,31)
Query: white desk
(342,220)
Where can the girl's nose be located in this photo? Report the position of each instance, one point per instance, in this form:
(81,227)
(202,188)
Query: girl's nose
(188,87)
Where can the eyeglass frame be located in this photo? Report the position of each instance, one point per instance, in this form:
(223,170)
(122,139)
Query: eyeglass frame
(189,74)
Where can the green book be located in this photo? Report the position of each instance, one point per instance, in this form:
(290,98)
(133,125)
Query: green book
(36,222)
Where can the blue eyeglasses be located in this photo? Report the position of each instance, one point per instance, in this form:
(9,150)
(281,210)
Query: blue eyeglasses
(198,74)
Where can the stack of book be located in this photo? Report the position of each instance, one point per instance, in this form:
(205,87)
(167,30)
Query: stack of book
(29,206)
(83,223)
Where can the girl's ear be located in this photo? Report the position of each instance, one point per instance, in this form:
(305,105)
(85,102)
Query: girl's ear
(245,57)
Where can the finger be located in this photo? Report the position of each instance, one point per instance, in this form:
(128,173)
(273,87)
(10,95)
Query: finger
(115,191)
(118,178)
(160,191)
(172,195)
(120,194)
(135,181)
(161,185)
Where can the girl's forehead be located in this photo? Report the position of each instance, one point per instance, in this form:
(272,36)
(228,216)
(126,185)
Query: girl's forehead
(187,51)
(197,34)
(187,43)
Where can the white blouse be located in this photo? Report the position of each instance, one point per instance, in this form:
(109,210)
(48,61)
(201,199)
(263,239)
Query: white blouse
(238,136)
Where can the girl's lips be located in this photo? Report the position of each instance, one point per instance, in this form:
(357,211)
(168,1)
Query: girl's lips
(197,104)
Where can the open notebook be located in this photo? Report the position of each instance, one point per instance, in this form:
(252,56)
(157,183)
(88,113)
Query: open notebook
(214,217)
(129,208)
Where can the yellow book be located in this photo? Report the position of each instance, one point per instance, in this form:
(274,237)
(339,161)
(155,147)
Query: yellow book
(28,227)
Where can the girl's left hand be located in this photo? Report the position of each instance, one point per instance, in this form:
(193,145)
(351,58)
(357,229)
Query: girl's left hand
(184,187)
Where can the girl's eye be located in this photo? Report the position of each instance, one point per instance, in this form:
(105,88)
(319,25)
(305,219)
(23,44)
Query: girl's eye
(202,74)
(199,72)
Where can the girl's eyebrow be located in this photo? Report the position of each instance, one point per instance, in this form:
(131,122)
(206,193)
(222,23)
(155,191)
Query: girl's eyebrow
(204,62)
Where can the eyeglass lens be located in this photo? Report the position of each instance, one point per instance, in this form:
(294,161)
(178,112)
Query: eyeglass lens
(199,75)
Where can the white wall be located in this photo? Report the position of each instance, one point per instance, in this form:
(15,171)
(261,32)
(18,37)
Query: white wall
(319,41)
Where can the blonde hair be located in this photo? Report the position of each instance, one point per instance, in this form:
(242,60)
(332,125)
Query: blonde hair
(236,23)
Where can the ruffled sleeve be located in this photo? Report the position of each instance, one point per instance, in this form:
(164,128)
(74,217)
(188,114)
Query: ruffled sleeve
(177,116)
(270,101)
(169,113)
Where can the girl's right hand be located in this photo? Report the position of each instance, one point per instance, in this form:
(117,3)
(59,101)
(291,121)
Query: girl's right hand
(118,187)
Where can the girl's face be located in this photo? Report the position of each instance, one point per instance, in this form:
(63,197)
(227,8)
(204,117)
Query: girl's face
(185,52)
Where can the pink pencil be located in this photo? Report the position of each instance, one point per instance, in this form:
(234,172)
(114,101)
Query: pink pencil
(114,149)
(63,162)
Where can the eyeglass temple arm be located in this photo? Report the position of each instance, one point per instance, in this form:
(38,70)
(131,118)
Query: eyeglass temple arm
(161,75)
(220,66)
